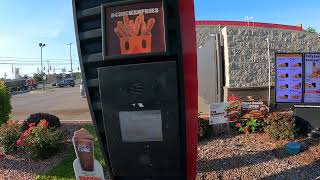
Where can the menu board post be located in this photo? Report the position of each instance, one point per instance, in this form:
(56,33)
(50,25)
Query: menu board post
(138,59)
(289,71)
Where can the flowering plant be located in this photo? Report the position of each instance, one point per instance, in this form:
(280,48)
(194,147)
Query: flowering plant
(249,126)
(9,133)
(25,134)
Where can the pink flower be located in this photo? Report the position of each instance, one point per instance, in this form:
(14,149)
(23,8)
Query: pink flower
(238,124)
(18,142)
(31,125)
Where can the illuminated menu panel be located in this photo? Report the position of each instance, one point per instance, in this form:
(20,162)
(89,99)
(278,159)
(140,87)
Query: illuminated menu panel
(134,28)
(312,78)
(289,78)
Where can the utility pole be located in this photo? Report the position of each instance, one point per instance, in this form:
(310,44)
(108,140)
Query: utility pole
(71,70)
(41,45)
(12,71)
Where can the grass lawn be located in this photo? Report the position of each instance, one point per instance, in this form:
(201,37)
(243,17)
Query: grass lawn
(64,170)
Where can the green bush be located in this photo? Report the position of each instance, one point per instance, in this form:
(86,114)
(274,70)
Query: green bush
(43,142)
(280,125)
(5,106)
(9,133)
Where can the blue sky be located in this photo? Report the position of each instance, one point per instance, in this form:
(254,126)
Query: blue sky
(25,23)
(290,12)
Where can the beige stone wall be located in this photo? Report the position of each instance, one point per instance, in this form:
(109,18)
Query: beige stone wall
(246,55)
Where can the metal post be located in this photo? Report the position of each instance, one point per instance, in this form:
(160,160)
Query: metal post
(269,83)
(42,69)
(71,70)
(41,45)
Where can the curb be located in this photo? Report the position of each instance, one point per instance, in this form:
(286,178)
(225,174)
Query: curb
(76,121)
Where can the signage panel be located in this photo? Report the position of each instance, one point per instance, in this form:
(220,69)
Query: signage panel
(134,29)
(312,78)
(289,78)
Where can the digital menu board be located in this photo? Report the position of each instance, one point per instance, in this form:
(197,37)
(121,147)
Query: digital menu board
(312,78)
(289,78)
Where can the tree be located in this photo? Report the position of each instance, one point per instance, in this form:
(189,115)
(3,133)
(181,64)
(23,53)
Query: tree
(38,77)
(77,75)
(310,30)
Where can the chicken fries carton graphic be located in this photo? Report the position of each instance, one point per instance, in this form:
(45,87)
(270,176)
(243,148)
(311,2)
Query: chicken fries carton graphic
(134,29)
(135,35)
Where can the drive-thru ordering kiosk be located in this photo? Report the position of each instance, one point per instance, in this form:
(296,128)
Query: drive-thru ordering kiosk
(138,60)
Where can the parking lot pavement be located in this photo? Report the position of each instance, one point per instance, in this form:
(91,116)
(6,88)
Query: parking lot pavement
(66,103)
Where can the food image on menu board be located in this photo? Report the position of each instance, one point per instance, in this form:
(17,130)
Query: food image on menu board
(283,75)
(297,96)
(315,71)
(311,85)
(297,75)
(132,34)
(283,97)
(284,86)
(297,65)
(297,86)
(283,65)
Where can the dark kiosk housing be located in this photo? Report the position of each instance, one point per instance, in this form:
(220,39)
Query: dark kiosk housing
(138,60)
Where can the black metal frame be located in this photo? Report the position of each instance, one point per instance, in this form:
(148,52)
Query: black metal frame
(173,53)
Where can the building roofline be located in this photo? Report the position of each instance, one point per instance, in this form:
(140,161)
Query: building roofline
(244,23)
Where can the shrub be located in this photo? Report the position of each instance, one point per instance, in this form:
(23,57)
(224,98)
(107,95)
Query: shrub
(280,125)
(204,130)
(5,106)
(9,133)
(54,121)
(42,142)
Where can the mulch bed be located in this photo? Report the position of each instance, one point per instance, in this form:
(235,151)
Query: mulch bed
(16,166)
(256,156)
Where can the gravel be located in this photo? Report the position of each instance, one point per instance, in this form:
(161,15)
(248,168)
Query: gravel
(255,156)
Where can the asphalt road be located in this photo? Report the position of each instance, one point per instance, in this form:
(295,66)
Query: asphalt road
(65,103)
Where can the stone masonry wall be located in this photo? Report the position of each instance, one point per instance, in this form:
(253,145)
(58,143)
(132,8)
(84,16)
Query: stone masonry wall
(203,33)
(246,52)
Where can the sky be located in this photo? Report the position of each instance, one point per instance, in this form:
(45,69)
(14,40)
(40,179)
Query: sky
(25,23)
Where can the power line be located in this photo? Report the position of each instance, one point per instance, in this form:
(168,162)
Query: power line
(10,57)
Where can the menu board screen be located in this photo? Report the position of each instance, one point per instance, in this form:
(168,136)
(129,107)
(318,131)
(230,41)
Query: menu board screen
(312,78)
(289,78)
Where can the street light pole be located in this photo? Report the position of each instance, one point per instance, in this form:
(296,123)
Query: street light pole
(71,70)
(41,45)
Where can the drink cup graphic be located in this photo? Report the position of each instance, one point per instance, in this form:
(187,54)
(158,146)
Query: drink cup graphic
(83,143)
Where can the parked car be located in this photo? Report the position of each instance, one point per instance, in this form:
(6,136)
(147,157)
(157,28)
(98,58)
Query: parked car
(66,83)
(54,84)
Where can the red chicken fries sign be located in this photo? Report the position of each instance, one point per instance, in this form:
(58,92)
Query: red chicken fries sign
(134,28)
